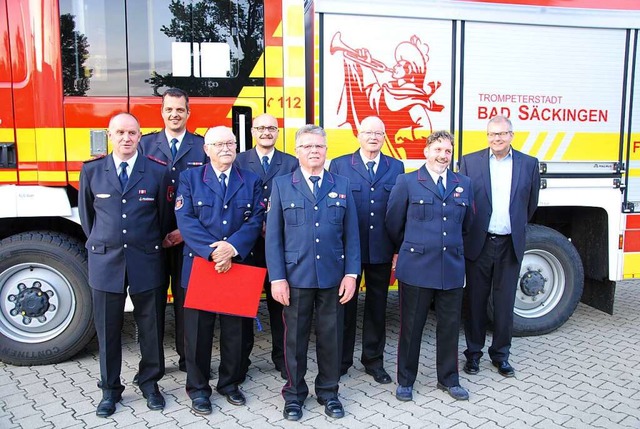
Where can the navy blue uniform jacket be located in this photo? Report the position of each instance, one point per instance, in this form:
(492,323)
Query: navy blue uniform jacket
(205,215)
(428,230)
(525,187)
(371,202)
(124,229)
(190,155)
(312,243)
(281,163)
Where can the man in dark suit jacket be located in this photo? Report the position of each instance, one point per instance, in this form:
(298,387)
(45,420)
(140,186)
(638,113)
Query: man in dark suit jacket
(220,216)
(123,206)
(506,184)
(313,257)
(372,175)
(180,150)
(267,162)
(428,212)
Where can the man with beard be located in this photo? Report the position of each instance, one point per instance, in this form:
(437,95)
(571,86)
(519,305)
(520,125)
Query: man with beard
(428,212)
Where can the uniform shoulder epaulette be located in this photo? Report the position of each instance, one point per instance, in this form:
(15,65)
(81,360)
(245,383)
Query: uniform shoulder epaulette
(95,158)
(151,133)
(159,161)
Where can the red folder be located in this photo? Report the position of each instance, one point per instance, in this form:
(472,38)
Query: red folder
(235,292)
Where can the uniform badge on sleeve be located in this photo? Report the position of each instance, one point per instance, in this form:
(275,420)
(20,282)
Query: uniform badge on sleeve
(179,203)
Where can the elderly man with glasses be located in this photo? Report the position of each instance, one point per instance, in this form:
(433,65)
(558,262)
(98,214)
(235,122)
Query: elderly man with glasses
(220,216)
(313,257)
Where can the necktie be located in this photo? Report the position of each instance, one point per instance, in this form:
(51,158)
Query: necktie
(174,148)
(441,187)
(316,188)
(124,177)
(223,184)
(370,166)
(265,163)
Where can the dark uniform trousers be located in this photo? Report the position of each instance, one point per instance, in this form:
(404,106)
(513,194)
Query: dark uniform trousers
(198,341)
(414,308)
(297,318)
(174,263)
(377,278)
(496,269)
(108,309)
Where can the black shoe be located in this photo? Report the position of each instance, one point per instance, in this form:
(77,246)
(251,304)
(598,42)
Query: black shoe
(182,366)
(404,393)
(155,401)
(344,371)
(472,367)
(235,397)
(292,410)
(456,392)
(379,375)
(504,368)
(106,407)
(332,407)
(201,405)
(135,379)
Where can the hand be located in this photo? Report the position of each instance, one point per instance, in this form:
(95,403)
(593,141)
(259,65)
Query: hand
(172,239)
(223,267)
(280,292)
(347,289)
(394,261)
(223,251)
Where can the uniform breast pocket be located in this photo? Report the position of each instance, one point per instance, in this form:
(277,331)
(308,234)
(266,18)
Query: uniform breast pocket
(203,207)
(336,208)
(293,212)
(244,208)
(421,208)
(460,207)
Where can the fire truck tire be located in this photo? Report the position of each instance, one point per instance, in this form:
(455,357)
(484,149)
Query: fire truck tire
(550,283)
(46,314)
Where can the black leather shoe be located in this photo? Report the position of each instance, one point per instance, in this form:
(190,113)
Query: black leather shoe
(504,368)
(456,392)
(379,375)
(332,407)
(201,405)
(472,367)
(106,407)
(404,393)
(292,410)
(236,397)
(135,379)
(155,401)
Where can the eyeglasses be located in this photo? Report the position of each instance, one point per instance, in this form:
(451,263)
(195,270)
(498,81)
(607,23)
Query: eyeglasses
(312,146)
(262,129)
(500,134)
(220,145)
(372,133)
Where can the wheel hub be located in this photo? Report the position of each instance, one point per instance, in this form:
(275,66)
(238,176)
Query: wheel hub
(31,302)
(532,283)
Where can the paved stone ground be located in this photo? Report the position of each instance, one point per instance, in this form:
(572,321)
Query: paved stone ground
(586,374)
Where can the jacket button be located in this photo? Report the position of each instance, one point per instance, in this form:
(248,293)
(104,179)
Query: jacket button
(199,203)
(191,255)
(93,247)
(224,222)
(124,231)
(124,215)
(125,246)
(412,249)
(317,256)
